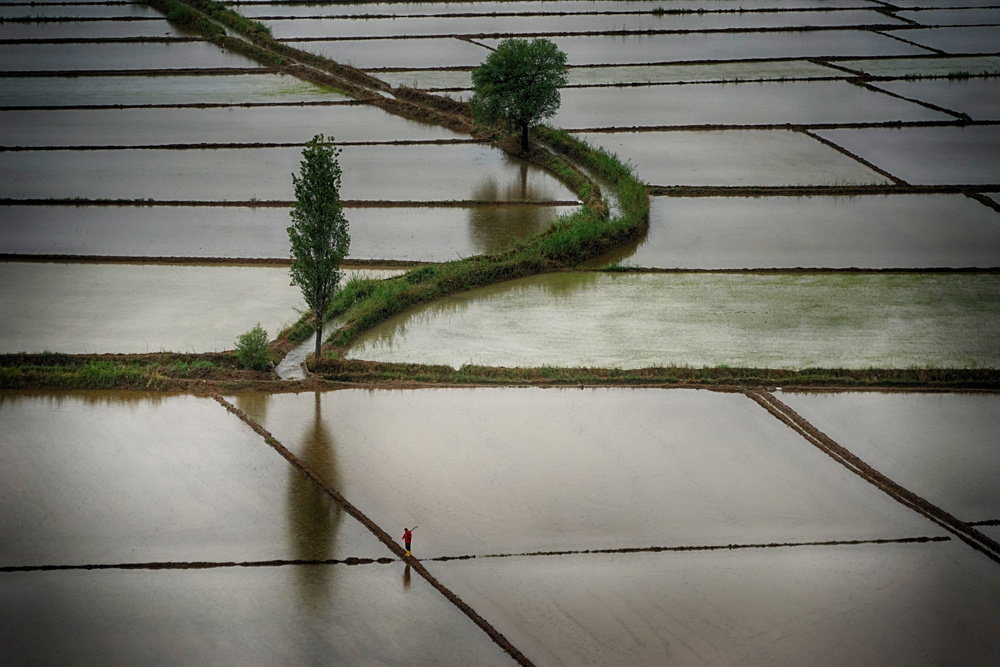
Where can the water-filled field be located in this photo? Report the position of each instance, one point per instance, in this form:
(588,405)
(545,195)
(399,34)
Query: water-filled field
(620,525)
(763,321)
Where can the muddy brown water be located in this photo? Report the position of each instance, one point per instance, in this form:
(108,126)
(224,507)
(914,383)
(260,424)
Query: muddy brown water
(940,446)
(119,477)
(826,606)
(306,614)
(636,468)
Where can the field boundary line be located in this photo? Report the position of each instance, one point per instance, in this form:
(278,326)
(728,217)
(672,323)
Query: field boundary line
(855,464)
(708,547)
(376,530)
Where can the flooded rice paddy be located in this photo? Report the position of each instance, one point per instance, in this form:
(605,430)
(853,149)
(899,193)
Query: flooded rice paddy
(405,233)
(737,158)
(694,479)
(941,446)
(640,320)
(159,126)
(255,86)
(462,172)
(765,103)
(682,527)
(870,232)
(928,155)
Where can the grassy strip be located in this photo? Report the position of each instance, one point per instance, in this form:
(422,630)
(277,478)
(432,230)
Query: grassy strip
(217,371)
(369,372)
(159,372)
(570,240)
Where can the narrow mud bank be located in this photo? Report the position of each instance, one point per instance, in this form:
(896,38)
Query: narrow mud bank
(964,531)
(719,547)
(377,531)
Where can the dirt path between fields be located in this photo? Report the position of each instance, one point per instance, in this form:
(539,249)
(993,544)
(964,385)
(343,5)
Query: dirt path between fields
(376,530)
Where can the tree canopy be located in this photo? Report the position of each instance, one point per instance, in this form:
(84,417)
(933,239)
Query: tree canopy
(319,232)
(518,84)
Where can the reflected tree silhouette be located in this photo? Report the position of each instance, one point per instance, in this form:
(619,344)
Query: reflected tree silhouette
(493,228)
(313,518)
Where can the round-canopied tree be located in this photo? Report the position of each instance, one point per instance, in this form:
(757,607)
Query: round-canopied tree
(319,232)
(518,85)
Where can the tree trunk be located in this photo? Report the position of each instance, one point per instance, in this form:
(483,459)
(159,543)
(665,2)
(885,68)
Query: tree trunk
(524,138)
(319,336)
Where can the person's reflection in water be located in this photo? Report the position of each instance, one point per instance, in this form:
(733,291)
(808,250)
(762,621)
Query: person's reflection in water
(313,518)
(406,578)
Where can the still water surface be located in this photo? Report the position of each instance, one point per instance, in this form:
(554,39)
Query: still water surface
(739,158)
(940,446)
(824,606)
(383,172)
(635,468)
(642,320)
(876,232)
(123,477)
(411,234)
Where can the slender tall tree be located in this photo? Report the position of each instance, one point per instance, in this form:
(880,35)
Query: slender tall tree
(319,232)
(518,84)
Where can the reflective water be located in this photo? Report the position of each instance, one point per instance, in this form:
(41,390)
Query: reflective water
(941,447)
(485,24)
(825,606)
(635,468)
(306,614)
(926,66)
(978,98)
(617,49)
(214,89)
(412,53)
(765,158)
(122,477)
(953,17)
(415,234)
(928,155)
(733,104)
(272,124)
(527,7)
(97,56)
(89,29)
(136,309)
(76,10)
(877,232)
(636,321)
(976,39)
(394,173)
(737,71)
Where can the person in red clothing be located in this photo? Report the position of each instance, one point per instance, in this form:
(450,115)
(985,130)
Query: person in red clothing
(407,538)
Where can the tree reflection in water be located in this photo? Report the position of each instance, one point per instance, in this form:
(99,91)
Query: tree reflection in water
(313,518)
